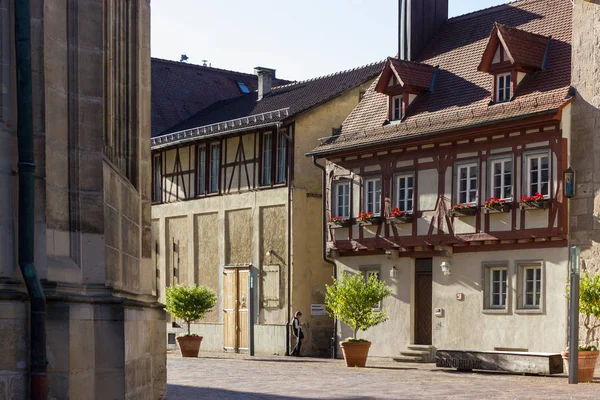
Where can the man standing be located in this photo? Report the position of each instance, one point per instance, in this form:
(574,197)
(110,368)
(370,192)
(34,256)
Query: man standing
(297,330)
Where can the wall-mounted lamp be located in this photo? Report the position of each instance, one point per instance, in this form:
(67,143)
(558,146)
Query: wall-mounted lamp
(569,182)
(445,268)
(393,272)
(391,254)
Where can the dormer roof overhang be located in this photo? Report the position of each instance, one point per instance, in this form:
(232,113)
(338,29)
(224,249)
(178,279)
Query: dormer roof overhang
(526,51)
(410,76)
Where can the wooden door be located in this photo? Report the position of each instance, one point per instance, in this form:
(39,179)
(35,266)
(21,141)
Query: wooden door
(235,308)
(423,310)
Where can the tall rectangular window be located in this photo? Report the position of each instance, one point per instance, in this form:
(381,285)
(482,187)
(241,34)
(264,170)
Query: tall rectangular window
(157,178)
(373,195)
(502,178)
(267,159)
(498,285)
(538,174)
(397,108)
(201,171)
(404,192)
(503,87)
(281,158)
(342,199)
(467,183)
(532,288)
(215,166)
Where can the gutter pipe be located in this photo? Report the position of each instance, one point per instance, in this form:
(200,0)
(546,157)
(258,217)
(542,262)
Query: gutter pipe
(324,251)
(26,165)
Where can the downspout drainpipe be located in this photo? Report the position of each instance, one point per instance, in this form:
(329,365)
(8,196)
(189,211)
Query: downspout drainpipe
(38,389)
(323,246)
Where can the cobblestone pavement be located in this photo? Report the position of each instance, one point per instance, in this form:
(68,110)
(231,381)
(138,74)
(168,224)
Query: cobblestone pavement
(222,376)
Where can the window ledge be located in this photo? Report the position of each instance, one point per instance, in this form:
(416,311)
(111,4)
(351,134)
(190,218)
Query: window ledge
(495,311)
(529,311)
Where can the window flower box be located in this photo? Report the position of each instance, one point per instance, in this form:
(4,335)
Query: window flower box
(463,210)
(339,222)
(368,219)
(535,202)
(400,217)
(496,205)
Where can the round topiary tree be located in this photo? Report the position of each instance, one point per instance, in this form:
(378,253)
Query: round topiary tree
(352,300)
(189,303)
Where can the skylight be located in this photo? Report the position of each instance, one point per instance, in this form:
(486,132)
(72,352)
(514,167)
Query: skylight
(243,87)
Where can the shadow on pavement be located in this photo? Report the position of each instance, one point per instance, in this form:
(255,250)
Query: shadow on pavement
(393,368)
(284,360)
(181,392)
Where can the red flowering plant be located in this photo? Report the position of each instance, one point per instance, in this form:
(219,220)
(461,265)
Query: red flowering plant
(494,202)
(461,207)
(398,214)
(338,220)
(367,217)
(532,199)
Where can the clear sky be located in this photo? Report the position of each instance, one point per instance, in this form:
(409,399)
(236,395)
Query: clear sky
(300,39)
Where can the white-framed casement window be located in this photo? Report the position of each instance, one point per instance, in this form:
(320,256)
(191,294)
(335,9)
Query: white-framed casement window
(215,166)
(397,104)
(342,199)
(404,185)
(281,166)
(496,286)
(530,285)
(538,174)
(503,86)
(466,187)
(157,178)
(372,271)
(201,171)
(267,158)
(372,195)
(501,178)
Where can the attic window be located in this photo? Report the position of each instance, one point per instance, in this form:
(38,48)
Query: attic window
(243,87)
(503,86)
(397,105)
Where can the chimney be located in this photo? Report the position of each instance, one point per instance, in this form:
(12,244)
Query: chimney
(265,80)
(418,21)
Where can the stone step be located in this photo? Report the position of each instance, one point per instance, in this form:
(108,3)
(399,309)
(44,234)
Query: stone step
(422,347)
(407,359)
(415,353)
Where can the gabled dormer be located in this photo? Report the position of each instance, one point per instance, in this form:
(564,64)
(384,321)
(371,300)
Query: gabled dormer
(402,81)
(510,55)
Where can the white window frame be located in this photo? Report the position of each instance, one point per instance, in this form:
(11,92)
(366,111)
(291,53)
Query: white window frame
(366,272)
(267,159)
(372,197)
(537,287)
(345,184)
(409,199)
(157,171)
(538,293)
(503,186)
(281,165)
(503,290)
(528,182)
(398,113)
(501,90)
(201,171)
(469,166)
(215,167)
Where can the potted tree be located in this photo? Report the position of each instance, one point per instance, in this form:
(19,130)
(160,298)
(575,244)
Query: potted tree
(589,306)
(189,303)
(354,301)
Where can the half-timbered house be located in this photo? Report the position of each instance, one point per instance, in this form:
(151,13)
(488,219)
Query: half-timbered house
(235,203)
(446,181)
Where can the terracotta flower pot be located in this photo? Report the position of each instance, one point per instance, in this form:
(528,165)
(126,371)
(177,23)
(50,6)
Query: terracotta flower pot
(586,364)
(189,345)
(355,353)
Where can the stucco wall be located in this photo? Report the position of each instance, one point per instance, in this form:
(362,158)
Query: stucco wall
(206,259)
(465,324)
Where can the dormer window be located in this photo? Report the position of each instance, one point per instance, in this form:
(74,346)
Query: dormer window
(402,81)
(397,105)
(509,56)
(503,85)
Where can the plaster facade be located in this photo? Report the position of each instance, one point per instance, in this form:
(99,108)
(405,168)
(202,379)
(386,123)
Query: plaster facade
(243,223)
(105,330)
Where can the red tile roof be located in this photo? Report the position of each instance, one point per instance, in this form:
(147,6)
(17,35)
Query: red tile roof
(180,90)
(462,94)
(523,48)
(408,73)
